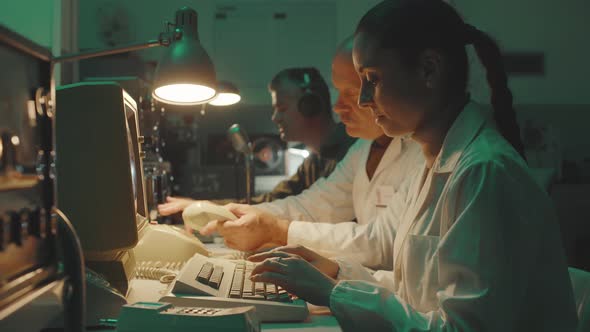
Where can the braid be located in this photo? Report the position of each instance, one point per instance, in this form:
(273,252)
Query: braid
(501,97)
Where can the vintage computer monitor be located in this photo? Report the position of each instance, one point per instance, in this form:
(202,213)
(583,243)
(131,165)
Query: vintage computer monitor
(100,183)
(99,174)
(157,181)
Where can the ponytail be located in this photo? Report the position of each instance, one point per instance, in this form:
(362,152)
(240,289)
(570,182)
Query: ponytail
(411,26)
(501,98)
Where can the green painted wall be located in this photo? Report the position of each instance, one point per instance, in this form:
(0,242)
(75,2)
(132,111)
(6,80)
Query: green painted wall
(561,98)
(557,28)
(143,20)
(349,13)
(31,18)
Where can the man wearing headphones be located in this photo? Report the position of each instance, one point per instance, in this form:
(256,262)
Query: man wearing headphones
(302,112)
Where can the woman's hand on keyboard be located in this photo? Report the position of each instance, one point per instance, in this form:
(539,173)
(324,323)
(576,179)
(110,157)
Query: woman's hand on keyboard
(252,230)
(296,275)
(325,265)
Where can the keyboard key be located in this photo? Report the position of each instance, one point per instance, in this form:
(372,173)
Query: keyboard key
(237,284)
(205,273)
(248,288)
(259,289)
(238,281)
(241,266)
(216,277)
(276,293)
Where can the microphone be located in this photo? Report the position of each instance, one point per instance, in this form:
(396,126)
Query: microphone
(241,143)
(239,139)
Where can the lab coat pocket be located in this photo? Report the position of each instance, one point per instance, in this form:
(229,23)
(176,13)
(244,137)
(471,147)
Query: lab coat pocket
(384,195)
(421,271)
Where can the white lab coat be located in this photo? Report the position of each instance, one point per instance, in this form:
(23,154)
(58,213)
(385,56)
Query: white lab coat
(323,213)
(478,249)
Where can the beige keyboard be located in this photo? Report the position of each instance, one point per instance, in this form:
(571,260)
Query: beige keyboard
(215,282)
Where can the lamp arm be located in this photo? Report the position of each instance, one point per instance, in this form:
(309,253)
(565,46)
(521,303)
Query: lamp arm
(164,40)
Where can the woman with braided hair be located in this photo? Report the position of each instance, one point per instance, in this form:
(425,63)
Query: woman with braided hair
(478,248)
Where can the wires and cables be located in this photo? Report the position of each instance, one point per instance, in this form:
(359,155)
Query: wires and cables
(165,272)
(74,291)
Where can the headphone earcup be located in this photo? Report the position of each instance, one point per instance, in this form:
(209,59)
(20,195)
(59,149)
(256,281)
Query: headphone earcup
(310,104)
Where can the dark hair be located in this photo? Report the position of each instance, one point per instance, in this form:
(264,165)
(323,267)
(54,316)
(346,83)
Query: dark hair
(317,85)
(411,26)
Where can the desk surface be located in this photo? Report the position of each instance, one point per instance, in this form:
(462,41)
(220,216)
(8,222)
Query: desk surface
(153,290)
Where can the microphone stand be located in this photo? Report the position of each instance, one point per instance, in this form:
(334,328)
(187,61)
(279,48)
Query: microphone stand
(249,161)
(241,144)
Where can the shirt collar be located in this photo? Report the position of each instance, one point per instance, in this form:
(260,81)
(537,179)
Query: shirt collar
(463,131)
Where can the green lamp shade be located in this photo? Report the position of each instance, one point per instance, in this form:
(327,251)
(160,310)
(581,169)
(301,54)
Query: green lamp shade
(185,75)
(227,94)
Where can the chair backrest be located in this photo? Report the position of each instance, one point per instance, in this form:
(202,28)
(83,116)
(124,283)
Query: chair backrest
(581,285)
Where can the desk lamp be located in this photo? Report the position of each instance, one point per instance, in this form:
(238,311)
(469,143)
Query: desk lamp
(227,94)
(185,74)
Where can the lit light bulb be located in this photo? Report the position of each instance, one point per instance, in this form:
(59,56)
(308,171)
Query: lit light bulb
(184,94)
(224,99)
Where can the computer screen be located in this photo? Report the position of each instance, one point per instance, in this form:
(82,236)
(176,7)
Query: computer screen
(132,164)
(130,125)
(99,166)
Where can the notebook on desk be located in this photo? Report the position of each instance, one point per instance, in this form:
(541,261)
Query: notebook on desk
(214,282)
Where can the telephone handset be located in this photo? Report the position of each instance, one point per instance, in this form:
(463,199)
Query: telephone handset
(199,213)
